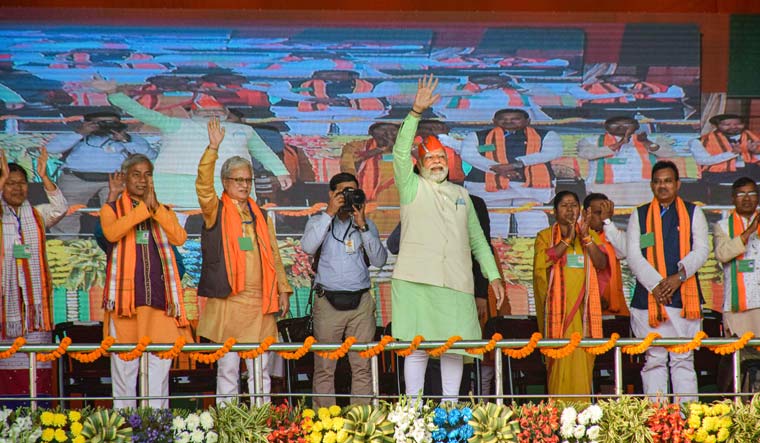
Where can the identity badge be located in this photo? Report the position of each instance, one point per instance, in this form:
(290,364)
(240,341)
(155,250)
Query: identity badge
(616,160)
(387,157)
(575,260)
(747,265)
(646,240)
(486,148)
(245,243)
(350,247)
(21,251)
(143,236)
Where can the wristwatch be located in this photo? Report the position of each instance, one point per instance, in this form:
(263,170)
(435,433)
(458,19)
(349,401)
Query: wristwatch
(682,275)
(607,221)
(364,228)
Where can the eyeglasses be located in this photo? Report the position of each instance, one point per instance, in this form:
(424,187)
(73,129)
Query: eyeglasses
(16,184)
(745,194)
(241,180)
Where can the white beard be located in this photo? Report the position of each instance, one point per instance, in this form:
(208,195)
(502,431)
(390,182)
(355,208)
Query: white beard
(436,177)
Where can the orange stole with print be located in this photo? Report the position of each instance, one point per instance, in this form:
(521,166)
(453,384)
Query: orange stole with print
(536,176)
(318,89)
(615,296)
(234,256)
(606,171)
(716,143)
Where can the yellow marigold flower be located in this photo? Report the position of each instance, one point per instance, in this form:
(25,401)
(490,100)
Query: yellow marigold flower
(78,439)
(701,435)
(60,435)
(711,439)
(329,437)
(316,437)
(335,410)
(327,424)
(342,436)
(75,416)
(694,421)
(47,418)
(59,420)
(323,413)
(337,423)
(317,427)
(76,428)
(707,410)
(308,413)
(48,434)
(723,434)
(725,422)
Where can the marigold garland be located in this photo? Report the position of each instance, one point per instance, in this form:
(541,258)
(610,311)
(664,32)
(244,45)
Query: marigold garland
(690,346)
(96,354)
(213,356)
(490,346)
(412,347)
(603,348)
(17,344)
(56,354)
(256,353)
(172,353)
(641,347)
(730,348)
(137,352)
(340,352)
(525,350)
(564,351)
(378,348)
(439,351)
(300,352)
(313,209)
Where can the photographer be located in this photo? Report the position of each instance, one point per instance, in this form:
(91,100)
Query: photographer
(96,149)
(344,243)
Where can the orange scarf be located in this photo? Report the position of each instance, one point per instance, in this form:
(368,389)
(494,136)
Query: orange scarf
(536,176)
(601,88)
(716,143)
(617,304)
(121,268)
(369,174)
(738,291)
(234,257)
(318,89)
(604,172)
(557,319)
(463,102)
(656,257)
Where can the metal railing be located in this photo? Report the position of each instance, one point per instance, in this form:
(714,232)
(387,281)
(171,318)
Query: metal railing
(258,395)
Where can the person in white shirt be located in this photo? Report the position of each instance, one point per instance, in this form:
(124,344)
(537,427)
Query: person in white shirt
(511,168)
(620,160)
(666,245)
(737,248)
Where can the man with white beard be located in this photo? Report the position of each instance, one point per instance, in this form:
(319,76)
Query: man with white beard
(184,140)
(432,287)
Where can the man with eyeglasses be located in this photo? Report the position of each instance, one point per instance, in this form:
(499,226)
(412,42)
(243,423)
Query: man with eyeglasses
(343,243)
(737,247)
(666,245)
(27,288)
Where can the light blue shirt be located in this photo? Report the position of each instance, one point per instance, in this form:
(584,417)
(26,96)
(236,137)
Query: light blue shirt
(97,153)
(339,268)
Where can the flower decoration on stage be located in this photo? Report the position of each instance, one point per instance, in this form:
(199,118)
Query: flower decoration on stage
(285,422)
(538,423)
(61,427)
(666,424)
(412,420)
(365,424)
(324,425)
(194,428)
(18,426)
(452,425)
(106,426)
(709,423)
(492,423)
(151,425)
(580,427)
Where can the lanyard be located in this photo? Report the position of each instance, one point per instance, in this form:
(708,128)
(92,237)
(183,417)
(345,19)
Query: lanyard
(345,234)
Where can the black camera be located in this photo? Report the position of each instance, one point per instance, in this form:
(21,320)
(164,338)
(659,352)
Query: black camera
(352,198)
(110,125)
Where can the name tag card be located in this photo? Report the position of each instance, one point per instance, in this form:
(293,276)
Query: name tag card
(245,243)
(143,236)
(746,265)
(646,240)
(486,148)
(350,247)
(616,160)
(22,251)
(575,260)
(387,157)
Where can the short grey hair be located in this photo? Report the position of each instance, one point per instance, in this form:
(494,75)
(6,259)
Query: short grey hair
(233,163)
(135,159)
